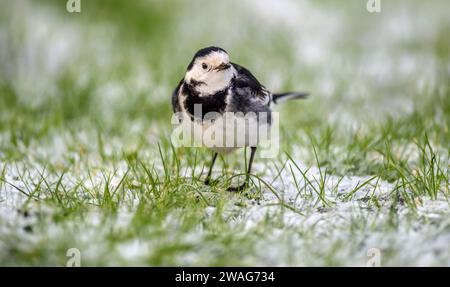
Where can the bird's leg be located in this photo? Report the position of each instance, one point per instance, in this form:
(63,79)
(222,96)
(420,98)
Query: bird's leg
(247,175)
(210,169)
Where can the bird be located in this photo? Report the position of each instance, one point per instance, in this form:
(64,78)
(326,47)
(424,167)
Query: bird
(221,87)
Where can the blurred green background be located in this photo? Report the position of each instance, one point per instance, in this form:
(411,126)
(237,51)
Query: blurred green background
(110,69)
(119,61)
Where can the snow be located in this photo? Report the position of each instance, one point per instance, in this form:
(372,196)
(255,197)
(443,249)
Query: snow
(416,243)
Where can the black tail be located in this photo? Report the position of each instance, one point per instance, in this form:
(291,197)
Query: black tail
(281,97)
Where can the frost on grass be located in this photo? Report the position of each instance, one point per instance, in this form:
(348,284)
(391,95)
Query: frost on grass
(300,221)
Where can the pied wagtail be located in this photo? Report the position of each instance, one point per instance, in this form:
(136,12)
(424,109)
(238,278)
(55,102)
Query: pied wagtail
(221,86)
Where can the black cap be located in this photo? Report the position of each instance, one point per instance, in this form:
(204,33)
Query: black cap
(203,52)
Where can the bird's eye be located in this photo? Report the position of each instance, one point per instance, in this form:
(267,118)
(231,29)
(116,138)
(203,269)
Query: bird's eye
(204,66)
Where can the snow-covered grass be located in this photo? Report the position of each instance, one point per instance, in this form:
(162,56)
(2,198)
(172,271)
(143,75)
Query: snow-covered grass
(86,160)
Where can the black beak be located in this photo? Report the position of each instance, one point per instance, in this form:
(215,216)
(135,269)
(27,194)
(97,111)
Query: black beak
(222,66)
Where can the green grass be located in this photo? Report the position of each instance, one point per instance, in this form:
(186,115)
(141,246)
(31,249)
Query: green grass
(86,159)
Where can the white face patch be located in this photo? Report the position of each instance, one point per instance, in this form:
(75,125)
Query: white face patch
(207,73)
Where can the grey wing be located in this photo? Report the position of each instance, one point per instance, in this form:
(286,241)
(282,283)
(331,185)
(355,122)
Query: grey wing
(246,83)
(249,96)
(175,103)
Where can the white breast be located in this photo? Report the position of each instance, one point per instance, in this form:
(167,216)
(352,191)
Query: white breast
(225,134)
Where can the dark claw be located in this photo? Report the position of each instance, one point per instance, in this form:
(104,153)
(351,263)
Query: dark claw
(237,188)
(209,181)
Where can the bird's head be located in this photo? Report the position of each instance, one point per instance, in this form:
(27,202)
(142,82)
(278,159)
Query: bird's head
(210,70)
